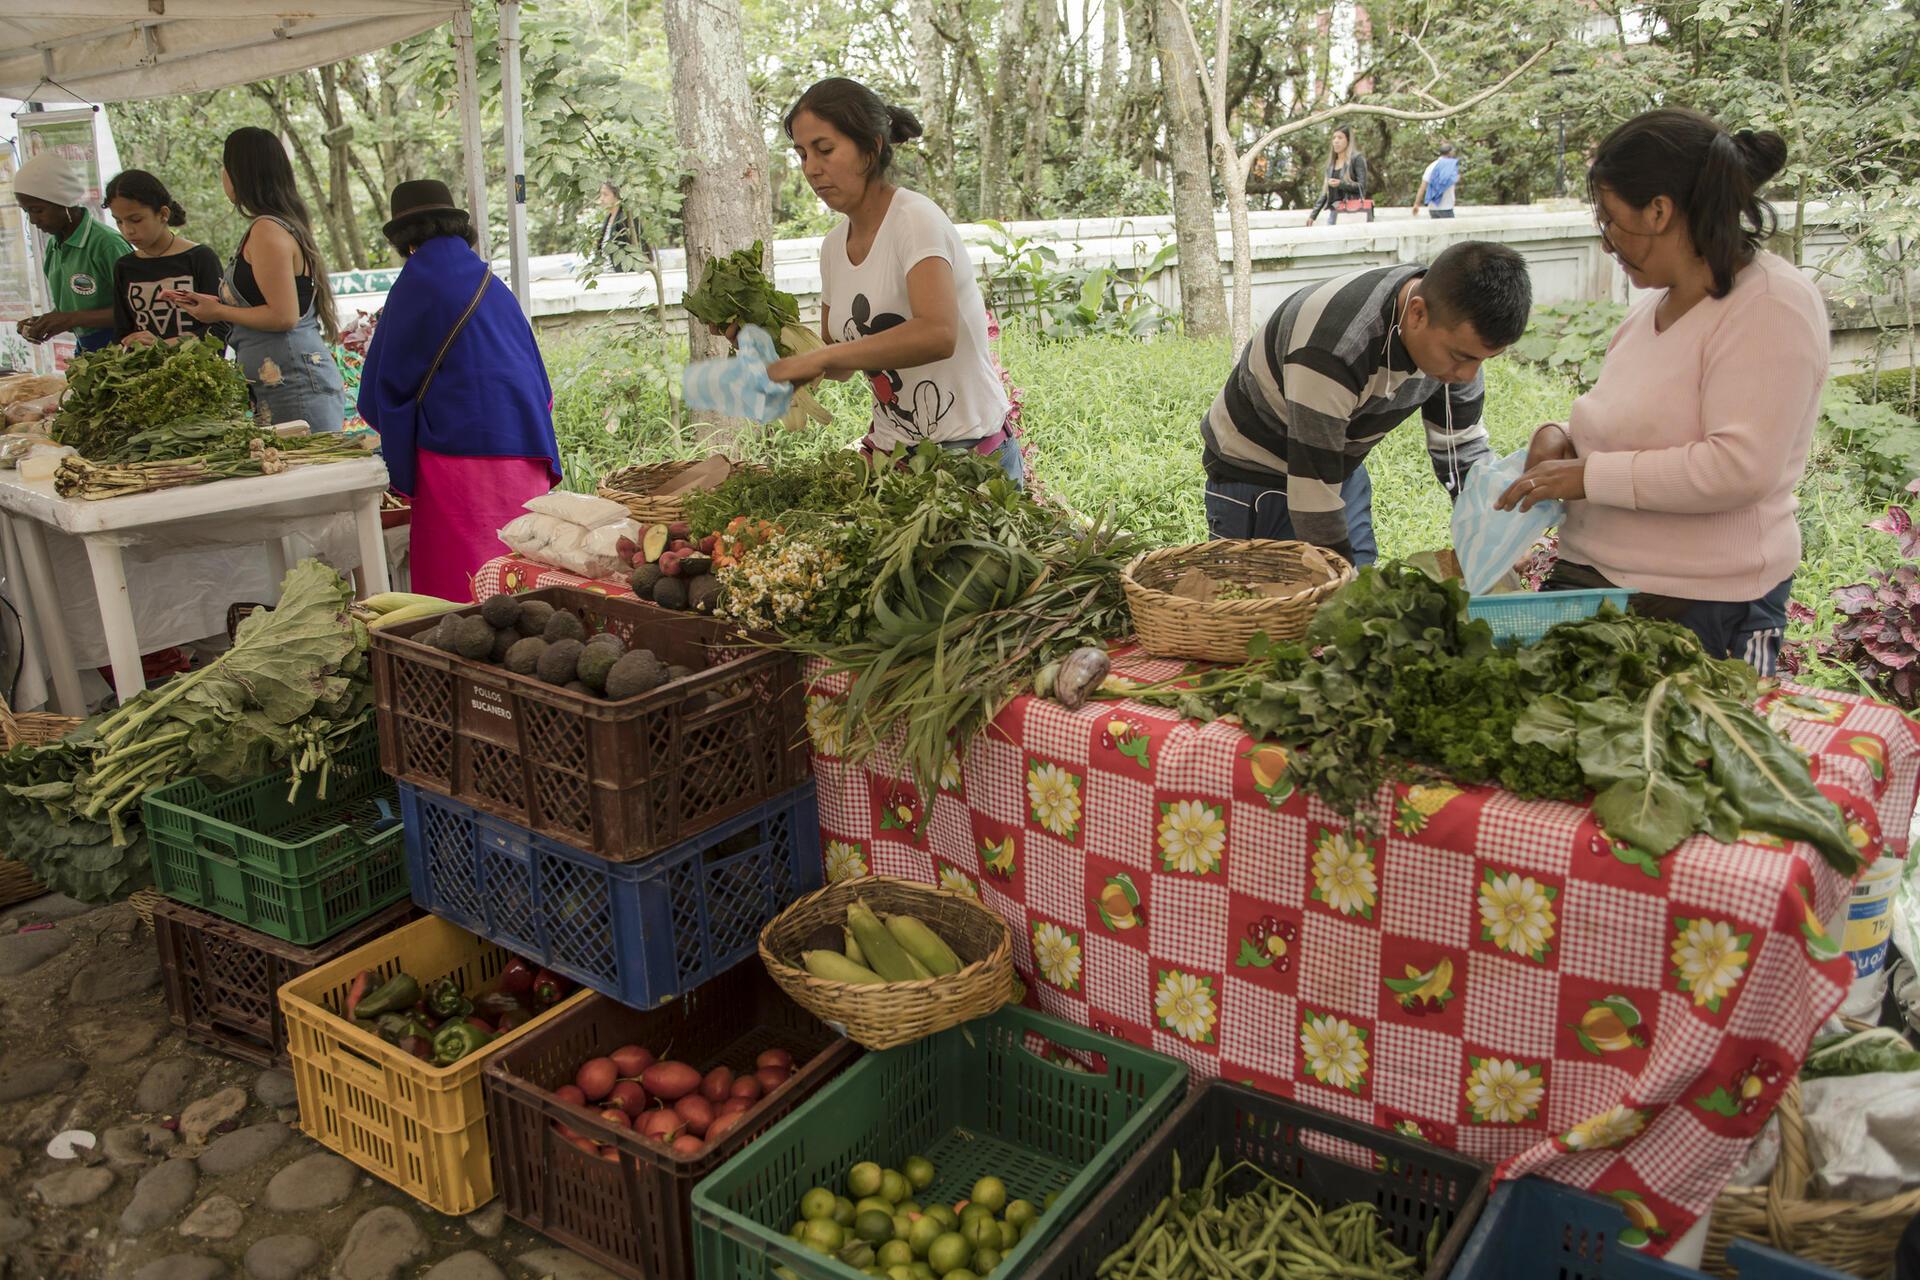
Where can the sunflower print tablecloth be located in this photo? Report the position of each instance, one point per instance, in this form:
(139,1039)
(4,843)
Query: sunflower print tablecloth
(1491,974)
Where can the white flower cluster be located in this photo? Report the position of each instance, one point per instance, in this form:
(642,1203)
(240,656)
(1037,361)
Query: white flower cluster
(776,583)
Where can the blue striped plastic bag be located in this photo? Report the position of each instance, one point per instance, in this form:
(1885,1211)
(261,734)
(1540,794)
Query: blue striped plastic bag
(1488,542)
(738,386)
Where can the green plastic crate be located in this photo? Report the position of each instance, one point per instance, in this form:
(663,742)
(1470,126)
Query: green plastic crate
(974,1100)
(299,870)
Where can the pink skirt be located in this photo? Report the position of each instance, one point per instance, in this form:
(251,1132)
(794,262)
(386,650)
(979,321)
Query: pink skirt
(459,508)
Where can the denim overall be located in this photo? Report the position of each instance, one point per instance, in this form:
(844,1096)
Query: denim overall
(292,374)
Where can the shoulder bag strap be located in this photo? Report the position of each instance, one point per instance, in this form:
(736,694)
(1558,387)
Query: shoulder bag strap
(486,278)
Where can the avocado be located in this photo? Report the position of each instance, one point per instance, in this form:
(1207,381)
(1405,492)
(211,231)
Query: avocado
(608,640)
(644,576)
(670,593)
(501,610)
(524,657)
(596,660)
(635,674)
(472,637)
(503,640)
(557,664)
(703,594)
(563,626)
(677,672)
(533,617)
(442,637)
(574,686)
(693,564)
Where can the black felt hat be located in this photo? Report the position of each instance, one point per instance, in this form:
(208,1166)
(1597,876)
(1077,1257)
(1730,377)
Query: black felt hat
(414,199)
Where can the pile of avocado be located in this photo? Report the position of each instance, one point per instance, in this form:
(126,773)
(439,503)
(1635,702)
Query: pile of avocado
(532,638)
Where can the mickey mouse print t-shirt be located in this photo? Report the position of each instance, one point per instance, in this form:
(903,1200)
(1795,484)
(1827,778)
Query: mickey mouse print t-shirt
(946,401)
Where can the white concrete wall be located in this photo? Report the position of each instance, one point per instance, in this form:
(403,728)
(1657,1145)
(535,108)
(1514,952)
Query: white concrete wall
(1561,244)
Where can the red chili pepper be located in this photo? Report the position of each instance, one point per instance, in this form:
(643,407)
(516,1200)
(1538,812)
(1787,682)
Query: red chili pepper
(480,1023)
(549,989)
(357,991)
(517,978)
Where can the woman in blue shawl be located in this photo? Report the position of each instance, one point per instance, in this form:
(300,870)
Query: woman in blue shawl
(454,384)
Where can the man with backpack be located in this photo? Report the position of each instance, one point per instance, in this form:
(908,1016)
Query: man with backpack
(1439,184)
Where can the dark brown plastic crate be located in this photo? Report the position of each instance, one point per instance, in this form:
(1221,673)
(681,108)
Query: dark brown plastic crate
(222,978)
(620,779)
(632,1215)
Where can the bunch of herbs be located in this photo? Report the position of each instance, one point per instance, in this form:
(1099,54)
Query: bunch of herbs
(118,393)
(734,290)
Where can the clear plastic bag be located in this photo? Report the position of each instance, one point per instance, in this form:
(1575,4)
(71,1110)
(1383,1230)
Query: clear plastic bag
(1487,542)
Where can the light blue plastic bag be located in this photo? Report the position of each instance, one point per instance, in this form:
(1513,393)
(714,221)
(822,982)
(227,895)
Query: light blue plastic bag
(738,386)
(1488,542)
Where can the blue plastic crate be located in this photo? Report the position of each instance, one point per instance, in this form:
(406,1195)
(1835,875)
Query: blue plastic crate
(1524,616)
(1534,1229)
(642,932)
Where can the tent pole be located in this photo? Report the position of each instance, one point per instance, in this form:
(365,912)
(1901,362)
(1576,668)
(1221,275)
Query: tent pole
(472,143)
(516,149)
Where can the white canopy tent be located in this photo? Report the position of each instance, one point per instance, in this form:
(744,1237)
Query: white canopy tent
(118,50)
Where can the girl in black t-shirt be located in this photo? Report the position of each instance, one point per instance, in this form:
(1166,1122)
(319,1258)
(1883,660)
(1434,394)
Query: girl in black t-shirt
(162,259)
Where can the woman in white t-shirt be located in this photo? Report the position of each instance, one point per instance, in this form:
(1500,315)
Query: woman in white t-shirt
(899,304)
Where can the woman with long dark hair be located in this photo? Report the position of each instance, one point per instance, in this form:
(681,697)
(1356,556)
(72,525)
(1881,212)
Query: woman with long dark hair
(898,300)
(456,388)
(162,262)
(275,294)
(1679,467)
(1346,177)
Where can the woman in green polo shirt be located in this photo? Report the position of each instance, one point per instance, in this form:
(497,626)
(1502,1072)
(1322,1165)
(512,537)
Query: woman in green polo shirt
(81,251)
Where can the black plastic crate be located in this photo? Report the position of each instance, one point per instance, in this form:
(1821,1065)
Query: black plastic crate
(1334,1160)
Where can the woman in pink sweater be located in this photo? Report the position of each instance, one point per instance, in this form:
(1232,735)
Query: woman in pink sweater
(1679,467)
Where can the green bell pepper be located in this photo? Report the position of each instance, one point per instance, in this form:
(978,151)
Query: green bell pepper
(455,1041)
(391,996)
(446,1000)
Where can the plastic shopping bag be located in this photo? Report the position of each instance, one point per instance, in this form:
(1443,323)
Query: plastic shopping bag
(1489,542)
(738,386)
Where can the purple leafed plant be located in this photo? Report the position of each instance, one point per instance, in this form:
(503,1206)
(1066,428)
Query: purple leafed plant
(1878,632)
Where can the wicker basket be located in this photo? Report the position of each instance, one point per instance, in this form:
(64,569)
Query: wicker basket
(143,901)
(638,490)
(25,729)
(1856,1236)
(897,1013)
(1172,626)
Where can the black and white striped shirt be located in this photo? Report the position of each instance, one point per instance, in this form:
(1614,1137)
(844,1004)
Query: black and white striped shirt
(1323,381)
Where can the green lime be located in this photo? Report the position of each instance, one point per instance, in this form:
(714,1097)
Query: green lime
(1009,1235)
(908,1206)
(798,1230)
(919,1171)
(949,1253)
(843,1211)
(817,1203)
(1048,1202)
(923,1233)
(898,1272)
(895,1253)
(864,1179)
(986,1259)
(921,1271)
(902,1224)
(990,1194)
(874,1226)
(895,1187)
(981,1231)
(1021,1212)
(964,1273)
(975,1213)
(945,1217)
(859,1254)
(871,1204)
(824,1234)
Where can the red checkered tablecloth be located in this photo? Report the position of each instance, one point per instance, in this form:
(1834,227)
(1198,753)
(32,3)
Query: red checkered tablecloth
(1492,974)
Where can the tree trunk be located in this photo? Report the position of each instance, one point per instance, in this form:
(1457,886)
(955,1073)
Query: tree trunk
(1007,74)
(339,140)
(1041,66)
(728,203)
(1203,302)
(1106,102)
(1137,126)
(930,70)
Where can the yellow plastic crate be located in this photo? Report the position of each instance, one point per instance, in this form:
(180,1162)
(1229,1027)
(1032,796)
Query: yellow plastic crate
(421,1127)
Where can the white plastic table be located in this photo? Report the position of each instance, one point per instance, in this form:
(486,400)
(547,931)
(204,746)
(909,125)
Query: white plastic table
(267,503)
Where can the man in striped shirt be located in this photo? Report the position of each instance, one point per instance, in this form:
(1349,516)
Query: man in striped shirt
(1339,365)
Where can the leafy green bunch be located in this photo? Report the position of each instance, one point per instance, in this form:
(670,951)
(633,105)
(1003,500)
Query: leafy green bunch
(170,395)
(734,290)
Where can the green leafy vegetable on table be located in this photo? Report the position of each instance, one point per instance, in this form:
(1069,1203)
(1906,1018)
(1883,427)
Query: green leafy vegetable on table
(1393,679)
(292,691)
(152,401)
(734,290)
